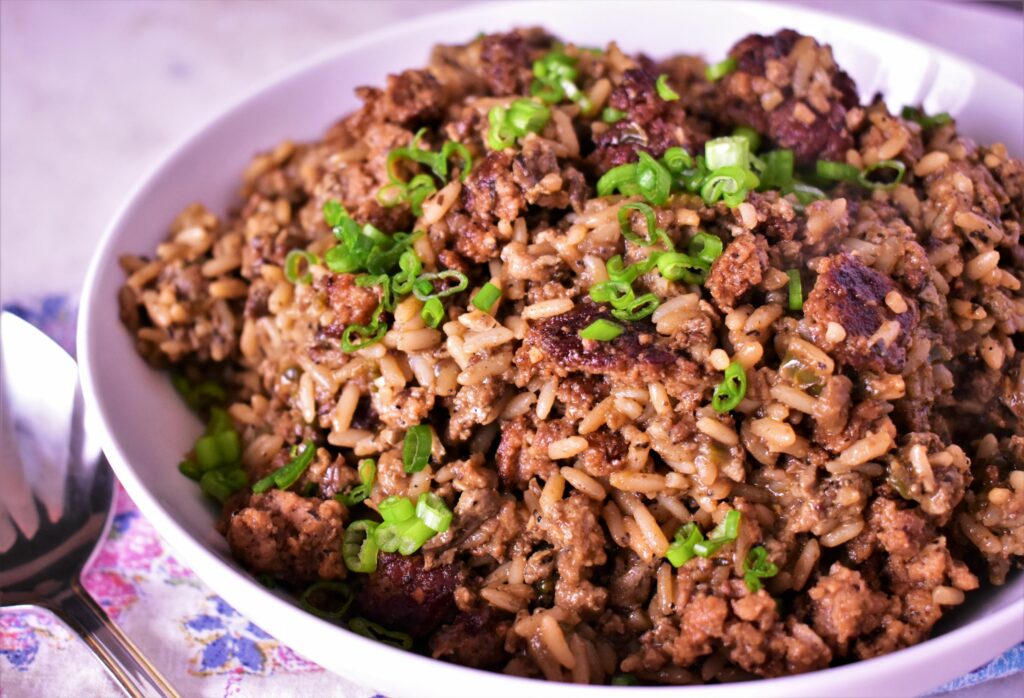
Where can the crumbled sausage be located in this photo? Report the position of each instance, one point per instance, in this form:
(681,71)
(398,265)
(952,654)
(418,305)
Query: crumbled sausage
(402,594)
(740,267)
(850,293)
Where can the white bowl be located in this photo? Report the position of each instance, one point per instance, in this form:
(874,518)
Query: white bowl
(145,428)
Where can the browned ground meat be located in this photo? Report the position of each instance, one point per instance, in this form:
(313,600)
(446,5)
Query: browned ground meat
(874,459)
(738,269)
(404,595)
(558,338)
(288,536)
(853,295)
(473,639)
(788,87)
(650,124)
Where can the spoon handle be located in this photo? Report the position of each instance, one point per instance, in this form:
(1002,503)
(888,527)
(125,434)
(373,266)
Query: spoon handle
(120,657)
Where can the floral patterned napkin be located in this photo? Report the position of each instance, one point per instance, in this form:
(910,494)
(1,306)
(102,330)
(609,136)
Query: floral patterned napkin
(202,645)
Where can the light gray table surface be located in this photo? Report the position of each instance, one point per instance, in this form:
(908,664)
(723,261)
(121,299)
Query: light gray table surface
(93,93)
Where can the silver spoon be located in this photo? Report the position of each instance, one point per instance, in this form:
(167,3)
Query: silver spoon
(48,533)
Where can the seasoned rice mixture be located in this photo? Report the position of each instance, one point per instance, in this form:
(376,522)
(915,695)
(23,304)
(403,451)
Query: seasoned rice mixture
(574,364)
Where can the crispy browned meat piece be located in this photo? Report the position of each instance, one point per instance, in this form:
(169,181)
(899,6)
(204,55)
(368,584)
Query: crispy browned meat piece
(782,96)
(288,536)
(853,295)
(559,340)
(352,305)
(739,268)
(650,124)
(403,595)
(475,638)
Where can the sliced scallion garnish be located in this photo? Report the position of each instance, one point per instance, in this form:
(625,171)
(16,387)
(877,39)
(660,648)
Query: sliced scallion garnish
(375,631)
(757,566)
(486,297)
(796,290)
(719,70)
(601,330)
(359,546)
(729,393)
(416,449)
(664,91)
(326,599)
(287,475)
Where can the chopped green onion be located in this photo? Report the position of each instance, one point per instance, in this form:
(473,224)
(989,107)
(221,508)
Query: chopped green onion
(805,193)
(519,118)
(757,566)
(611,115)
(328,600)
(219,447)
(752,137)
(638,308)
(432,510)
(333,212)
(625,680)
(729,393)
(419,441)
(426,281)
(724,532)
(653,179)
(499,135)
(287,475)
(719,70)
(409,266)
(375,631)
(727,151)
(777,172)
(614,292)
(555,74)
(895,165)
(413,533)
(220,421)
(680,550)
(207,453)
(677,266)
(367,334)
(359,547)
(223,482)
(293,263)
(926,122)
(388,536)
(190,469)
(627,275)
(200,396)
(796,290)
(692,178)
(840,171)
(621,178)
(730,184)
(526,116)
(396,509)
(705,247)
(367,476)
(676,159)
(664,91)
(601,330)
(432,312)
(437,162)
(654,234)
(486,297)
(422,185)
(451,148)
(266,580)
